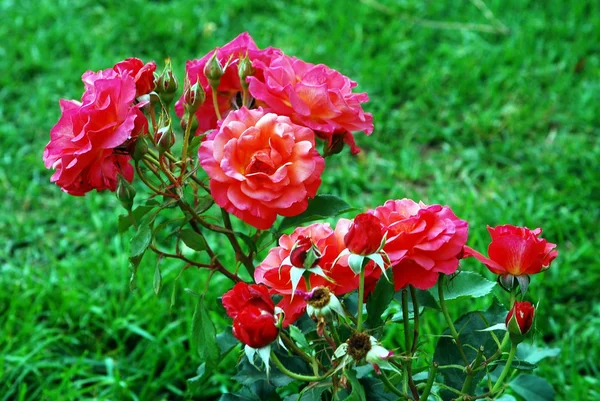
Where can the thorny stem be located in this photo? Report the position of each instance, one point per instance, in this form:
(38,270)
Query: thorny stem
(415,302)
(216,102)
(407,344)
(186,139)
(303,355)
(430,380)
(466,388)
(441,283)
(361,293)
(239,254)
(390,386)
(506,370)
(296,376)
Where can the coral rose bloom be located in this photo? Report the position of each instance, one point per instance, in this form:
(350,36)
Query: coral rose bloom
(274,273)
(261,165)
(229,86)
(312,95)
(82,143)
(422,241)
(516,251)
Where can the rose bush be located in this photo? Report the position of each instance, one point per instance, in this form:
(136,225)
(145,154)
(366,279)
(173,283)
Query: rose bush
(319,295)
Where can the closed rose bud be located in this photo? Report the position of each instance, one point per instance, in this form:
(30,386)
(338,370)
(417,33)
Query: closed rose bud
(140,148)
(125,193)
(365,235)
(166,139)
(193,96)
(519,320)
(304,254)
(245,70)
(166,84)
(255,327)
(213,70)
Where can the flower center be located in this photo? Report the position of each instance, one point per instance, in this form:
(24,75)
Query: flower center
(260,163)
(359,344)
(320,298)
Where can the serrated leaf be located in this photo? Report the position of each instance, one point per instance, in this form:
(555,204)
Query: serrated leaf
(320,207)
(299,337)
(204,336)
(314,392)
(193,240)
(465,284)
(378,301)
(140,241)
(532,388)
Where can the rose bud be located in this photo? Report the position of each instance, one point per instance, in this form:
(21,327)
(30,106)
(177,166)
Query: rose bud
(166,84)
(193,96)
(365,235)
(245,70)
(519,320)
(125,193)
(140,148)
(243,295)
(304,254)
(255,327)
(166,139)
(213,70)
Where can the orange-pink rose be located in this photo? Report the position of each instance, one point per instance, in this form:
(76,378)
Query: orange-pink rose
(311,95)
(261,165)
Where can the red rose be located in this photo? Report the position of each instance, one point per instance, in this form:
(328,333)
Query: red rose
(422,241)
(516,251)
(300,252)
(243,295)
(82,143)
(365,235)
(143,75)
(520,318)
(255,327)
(311,95)
(261,165)
(229,85)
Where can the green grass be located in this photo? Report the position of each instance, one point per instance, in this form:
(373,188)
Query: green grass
(505,129)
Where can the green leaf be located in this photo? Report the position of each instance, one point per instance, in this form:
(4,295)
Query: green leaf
(376,391)
(140,241)
(226,341)
(532,354)
(193,240)
(204,336)
(506,397)
(247,240)
(466,284)
(358,392)
(313,392)
(320,207)
(516,364)
(299,337)
(532,388)
(378,301)
(125,221)
(135,262)
(157,283)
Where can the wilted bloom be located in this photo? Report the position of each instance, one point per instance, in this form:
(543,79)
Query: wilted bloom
(142,74)
(82,147)
(311,95)
(519,320)
(261,165)
(516,251)
(378,356)
(229,85)
(253,313)
(364,235)
(422,241)
(361,345)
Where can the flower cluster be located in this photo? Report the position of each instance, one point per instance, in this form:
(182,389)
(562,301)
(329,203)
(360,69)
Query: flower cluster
(88,145)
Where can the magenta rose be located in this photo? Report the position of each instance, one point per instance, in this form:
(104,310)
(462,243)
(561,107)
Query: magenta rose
(311,95)
(261,165)
(229,86)
(422,241)
(82,143)
(142,74)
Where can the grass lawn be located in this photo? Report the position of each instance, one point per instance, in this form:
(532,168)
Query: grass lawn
(503,128)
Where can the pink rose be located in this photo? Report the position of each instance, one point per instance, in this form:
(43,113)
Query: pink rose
(312,95)
(143,75)
(261,165)
(229,86)
(422,241)
(82,143)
